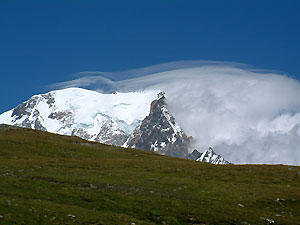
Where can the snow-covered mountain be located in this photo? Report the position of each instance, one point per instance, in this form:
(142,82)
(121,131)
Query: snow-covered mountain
(138,120)
(208,156)
(88,114)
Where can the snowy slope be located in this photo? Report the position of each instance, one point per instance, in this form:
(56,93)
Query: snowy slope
(82,112)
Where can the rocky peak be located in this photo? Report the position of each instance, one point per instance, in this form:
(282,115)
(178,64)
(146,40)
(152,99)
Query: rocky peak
(159,132)
(194,155)
(158,102)
(208,156)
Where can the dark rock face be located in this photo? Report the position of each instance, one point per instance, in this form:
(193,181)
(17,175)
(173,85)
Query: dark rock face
(65,117)
(80,132)
(39,126)
(194,155)
(50,99)
(159,132)
(60,115)
(25,110)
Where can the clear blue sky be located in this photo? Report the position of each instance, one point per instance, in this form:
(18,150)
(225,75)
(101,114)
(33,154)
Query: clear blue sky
(44,42)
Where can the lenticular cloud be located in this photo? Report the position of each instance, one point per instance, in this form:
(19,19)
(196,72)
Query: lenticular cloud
(246,115)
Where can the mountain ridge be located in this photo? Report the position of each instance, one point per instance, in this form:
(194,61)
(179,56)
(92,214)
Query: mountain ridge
(136,120)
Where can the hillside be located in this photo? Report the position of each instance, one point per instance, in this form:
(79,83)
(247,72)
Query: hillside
(52,179)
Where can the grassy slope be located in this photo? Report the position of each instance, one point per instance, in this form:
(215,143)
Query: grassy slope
(53,179)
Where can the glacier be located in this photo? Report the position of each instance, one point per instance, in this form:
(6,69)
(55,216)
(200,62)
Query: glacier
(64,111)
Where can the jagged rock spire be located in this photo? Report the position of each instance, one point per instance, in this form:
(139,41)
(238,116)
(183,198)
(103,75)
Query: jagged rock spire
(159,132)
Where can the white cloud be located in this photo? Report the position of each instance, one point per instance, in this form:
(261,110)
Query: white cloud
(247,115)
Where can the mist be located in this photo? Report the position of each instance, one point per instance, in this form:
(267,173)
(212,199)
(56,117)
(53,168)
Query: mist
(247,115)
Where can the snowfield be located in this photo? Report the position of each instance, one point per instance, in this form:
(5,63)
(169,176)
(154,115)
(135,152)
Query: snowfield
(126,110)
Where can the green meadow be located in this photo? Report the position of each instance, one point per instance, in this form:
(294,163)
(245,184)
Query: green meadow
(53,179)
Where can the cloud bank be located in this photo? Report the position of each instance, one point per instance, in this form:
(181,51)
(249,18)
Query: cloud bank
(246,115)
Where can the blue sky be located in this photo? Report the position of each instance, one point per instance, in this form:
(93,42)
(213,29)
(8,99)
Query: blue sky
(45,42)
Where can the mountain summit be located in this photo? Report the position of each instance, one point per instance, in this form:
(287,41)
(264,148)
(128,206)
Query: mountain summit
(122,119)
(208,156)
(159,132)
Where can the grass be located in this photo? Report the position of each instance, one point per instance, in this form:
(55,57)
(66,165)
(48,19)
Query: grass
(53,179)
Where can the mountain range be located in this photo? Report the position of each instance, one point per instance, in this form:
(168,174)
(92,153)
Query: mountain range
(136,120)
